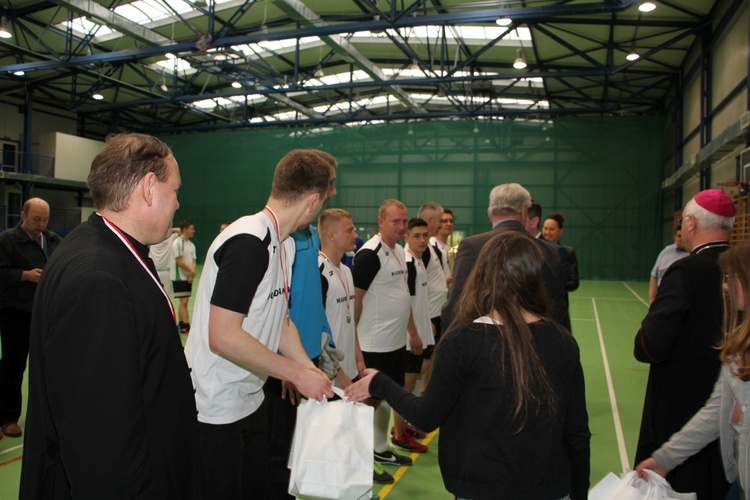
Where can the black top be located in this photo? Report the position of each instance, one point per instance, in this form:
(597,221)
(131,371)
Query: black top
(470,399)
(19,253)
(678,338)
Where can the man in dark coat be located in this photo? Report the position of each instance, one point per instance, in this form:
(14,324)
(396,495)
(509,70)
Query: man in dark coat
(111,406)
(678,337)
(508,211)
(24,251)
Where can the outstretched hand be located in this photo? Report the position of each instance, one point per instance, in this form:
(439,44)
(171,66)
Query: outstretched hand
(360,390)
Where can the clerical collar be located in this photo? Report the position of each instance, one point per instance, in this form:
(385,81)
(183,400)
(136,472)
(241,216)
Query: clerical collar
(710,244)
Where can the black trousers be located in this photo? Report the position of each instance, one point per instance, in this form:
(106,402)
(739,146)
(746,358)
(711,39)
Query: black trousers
(15,325)
(234,457)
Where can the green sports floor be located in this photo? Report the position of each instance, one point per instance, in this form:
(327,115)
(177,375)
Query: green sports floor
(605,316)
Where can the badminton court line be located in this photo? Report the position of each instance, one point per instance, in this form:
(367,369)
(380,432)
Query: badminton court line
(612,398)
(633,292)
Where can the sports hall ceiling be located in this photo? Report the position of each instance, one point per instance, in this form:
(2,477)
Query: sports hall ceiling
(189,65)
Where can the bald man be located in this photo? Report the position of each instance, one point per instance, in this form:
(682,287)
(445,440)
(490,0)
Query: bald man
(24,251)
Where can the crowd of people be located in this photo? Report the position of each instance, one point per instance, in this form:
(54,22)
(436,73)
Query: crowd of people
(476,342)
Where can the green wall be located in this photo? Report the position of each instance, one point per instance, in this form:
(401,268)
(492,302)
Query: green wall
(603,173)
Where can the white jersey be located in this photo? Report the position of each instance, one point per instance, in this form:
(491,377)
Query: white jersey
(338,297)
(418,289)
(381,271)
(437,286)
(161,254)
(443,250)
(185,249)
(226,392)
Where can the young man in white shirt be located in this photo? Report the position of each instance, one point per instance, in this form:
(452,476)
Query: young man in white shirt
(417,239)
(242,332)
(382,313)
(183,255)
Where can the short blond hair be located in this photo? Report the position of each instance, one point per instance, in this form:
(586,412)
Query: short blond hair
(330,217)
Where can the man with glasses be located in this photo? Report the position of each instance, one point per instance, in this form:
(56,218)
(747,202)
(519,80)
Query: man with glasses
(678,338)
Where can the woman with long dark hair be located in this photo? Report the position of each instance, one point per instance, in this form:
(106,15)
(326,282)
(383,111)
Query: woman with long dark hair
(723,416)
(507,387)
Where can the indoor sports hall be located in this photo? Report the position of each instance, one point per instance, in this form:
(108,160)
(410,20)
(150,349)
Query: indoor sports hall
(614,113)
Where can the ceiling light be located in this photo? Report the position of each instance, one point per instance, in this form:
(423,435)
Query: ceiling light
(319,73)
(236,84)
(4,31)
(414,65)
(647,6)
(169,55)
(632,55)
(520,62)
(411,131)
(19,72)
(98,97)
(504,21)
(163,85)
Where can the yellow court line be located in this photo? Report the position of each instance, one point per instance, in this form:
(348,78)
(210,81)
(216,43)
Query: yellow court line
(402,470)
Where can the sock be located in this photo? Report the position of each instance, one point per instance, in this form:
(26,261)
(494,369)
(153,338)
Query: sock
(380,427)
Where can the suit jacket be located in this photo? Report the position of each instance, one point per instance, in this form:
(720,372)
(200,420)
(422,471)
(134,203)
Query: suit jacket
(466,257)
(111,407)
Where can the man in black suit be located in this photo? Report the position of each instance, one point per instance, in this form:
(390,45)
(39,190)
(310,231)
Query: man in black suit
(678,339)
(508,211)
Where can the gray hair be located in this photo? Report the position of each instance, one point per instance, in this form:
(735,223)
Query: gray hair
(430,209)
(508,199)
(705,218)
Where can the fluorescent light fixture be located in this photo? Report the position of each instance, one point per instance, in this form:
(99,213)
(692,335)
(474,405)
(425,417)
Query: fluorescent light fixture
(503,21)
(632,55)
(647,6)
(236,84)
(4,31)
(98,97)
(520,62)
(19,72)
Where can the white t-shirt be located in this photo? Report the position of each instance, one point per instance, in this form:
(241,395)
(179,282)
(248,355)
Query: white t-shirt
(442,249)
(161,254)
(243,273)
(185,249)
(437,286)
(381,271)
(338,297)
(418,289)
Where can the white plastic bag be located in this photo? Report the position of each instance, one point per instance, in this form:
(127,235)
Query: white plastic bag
(331,454)
(632,487)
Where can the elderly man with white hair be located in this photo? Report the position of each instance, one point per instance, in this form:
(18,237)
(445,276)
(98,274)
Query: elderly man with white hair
(678,338)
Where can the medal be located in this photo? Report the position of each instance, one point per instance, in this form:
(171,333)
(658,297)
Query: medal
(348,318)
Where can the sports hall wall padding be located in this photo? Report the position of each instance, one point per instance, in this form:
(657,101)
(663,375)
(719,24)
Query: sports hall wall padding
(602,173)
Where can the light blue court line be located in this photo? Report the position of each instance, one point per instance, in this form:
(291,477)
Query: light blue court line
(633,292)
(611,389)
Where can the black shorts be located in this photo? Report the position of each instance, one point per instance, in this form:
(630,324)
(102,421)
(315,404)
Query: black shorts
(414,363)
(392,363)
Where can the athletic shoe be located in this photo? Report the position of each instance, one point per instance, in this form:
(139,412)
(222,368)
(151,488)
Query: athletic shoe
(412,431)
(407,442)
(379,475)
(387,457)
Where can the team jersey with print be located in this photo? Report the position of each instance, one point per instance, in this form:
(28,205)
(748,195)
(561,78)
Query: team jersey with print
(381,271)
(418,289)
(185,249)
(442,251)
(246,271)
(437,287)
(338,300)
